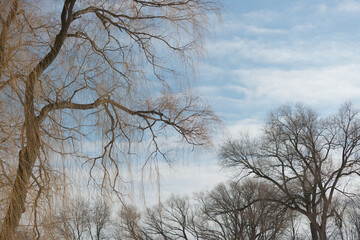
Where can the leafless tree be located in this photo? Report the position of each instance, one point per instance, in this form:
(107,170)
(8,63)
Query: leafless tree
(227,212)
(354,219)
(347,222)
(80,219)
(171,220)
(304,158)
(99,219)
(99,71)
(236,211)
(127,225)
(168,221)
(73,222)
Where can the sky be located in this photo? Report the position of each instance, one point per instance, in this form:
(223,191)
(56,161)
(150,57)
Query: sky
(263,55)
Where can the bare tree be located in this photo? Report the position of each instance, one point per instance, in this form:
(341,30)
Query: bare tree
(347,222)
(237,211)
(304,158)
(70,67)
(228,212)
(128,225)
(175,219)
(81,219)
(354,219)
(99,219)
(171,220)
(73,222)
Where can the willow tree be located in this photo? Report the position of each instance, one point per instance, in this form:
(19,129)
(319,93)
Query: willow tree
(105,70)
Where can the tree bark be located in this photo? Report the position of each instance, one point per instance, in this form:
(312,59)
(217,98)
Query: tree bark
(4,33)
(314,233)
(29,153)
(322,233)
(18,195)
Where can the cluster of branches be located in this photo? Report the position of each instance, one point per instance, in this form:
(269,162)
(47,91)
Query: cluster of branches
(99,71)
(225,212)
(80,219)
(308,161)
(232,211)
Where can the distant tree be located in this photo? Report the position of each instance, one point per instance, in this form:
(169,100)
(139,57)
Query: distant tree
(347,223)
(99,220)
(228,212)
(127,225)
(72,221)
(81,219)
(99,71)
(354,218)
(305,160)
(236,211)
(171,220)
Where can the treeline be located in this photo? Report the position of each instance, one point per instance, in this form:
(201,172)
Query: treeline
(236,211)
(233,211)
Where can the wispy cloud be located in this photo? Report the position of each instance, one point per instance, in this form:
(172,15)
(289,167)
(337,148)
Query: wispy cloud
(251,28)
(330,85)
(251,126)
(349,6)
(298,52)
(262,30)
(260,16)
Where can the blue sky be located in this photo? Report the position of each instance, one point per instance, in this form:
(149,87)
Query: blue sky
(265,54)
(269,53)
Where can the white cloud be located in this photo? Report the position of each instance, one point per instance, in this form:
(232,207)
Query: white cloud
(252,28)
(290,53)
(322,8)
(349,6)
(262,30)
(260,16)
(250,126)
(333,84)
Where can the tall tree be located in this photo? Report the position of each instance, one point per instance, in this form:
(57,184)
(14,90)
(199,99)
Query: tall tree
(305,159)
(69,67)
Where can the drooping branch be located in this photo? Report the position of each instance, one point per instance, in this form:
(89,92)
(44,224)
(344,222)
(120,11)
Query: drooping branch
(184,122)
(3,37)
(113,44)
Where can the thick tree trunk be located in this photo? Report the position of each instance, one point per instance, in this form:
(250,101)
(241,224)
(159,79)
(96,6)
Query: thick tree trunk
(18,195)
(322,233)
(314,233)
(27,158)
(29,154)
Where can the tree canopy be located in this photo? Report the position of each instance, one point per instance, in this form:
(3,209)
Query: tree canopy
(306,159)
(101,71)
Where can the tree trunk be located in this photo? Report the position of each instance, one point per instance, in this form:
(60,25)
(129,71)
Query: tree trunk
(314,233)
(322,233)
(29,154)
(18,195)
(27,158)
